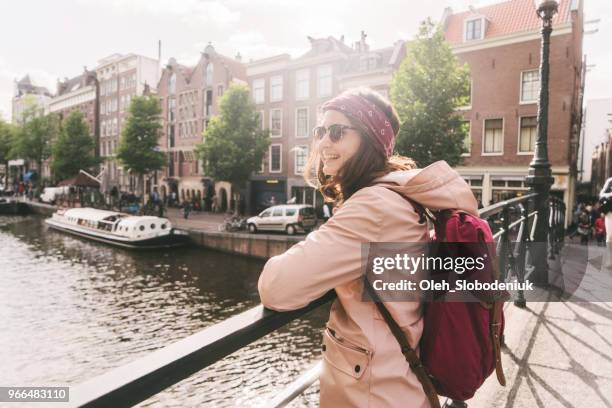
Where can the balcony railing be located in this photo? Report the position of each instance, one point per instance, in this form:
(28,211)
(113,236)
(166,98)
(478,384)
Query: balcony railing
(513,224)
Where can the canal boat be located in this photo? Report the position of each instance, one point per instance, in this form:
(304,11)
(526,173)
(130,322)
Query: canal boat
(119,229)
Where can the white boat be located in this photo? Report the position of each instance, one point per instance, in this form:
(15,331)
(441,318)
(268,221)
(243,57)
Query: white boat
(118,229)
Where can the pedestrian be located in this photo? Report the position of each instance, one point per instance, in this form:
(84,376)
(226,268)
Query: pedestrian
(326,212)
(584,226)
(353,167)
(600,229)
(605,197)
(186,209)
(215,204)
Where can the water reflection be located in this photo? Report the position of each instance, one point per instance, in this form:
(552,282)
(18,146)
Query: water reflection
(73,309)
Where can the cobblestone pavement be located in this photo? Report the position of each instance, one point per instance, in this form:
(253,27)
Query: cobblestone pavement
(559,354)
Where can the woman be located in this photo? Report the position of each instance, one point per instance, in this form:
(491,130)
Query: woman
(354,168)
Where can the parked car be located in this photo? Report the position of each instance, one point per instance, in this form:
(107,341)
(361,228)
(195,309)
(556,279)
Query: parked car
(290,218)
(50,194)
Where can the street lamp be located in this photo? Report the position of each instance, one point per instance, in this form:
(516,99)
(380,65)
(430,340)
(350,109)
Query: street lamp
(539,177)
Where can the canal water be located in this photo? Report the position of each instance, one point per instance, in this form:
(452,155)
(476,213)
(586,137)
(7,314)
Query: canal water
(71,309)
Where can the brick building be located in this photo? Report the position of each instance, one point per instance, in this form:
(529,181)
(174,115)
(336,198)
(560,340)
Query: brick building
(121,77)
(189,99)
(289,93)
(78,94)
(501,44)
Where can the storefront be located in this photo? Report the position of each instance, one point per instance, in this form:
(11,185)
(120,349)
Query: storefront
(493,185)
(265,191)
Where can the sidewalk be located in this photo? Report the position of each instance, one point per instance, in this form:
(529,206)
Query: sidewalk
(557,354)
(197,221)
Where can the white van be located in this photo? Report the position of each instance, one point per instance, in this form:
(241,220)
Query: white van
(50,194)
(290,218)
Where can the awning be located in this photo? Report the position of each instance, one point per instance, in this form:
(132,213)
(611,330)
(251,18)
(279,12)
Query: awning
(30,176)
(83,179)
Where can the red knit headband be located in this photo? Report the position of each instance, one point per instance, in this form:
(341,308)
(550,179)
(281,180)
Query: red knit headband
(372,119)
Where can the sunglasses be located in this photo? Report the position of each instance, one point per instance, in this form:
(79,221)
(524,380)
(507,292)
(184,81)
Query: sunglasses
(335,132)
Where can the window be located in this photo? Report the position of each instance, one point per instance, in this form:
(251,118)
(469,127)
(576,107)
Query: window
(209,74)
(324,80)
(277,212)
(467,141)
(266,213)
(494,131)
(301,155)
(259,91)
(275,158)
(219,90)
(302,84)
(530,86)
(301,122)
(171,109)
(261,120)
(528,134)
(289,212)
(474,29)
(276,122)
(172,84)
(276,88)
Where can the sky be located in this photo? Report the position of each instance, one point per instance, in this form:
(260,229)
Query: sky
(56,39)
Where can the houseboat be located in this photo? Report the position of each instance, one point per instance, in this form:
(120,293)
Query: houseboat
(115,228)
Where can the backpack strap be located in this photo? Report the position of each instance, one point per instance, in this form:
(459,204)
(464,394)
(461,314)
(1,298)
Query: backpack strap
(411,357)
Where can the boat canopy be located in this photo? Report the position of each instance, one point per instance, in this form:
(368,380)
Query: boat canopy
(91,214)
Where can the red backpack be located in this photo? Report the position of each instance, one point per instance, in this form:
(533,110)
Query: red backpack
(460,345)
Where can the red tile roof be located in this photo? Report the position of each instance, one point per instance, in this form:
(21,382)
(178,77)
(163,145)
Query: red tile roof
(505,18)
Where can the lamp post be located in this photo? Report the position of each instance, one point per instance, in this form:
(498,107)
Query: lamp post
(539,177)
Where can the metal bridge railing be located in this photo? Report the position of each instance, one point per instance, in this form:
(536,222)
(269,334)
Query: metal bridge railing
(513,223)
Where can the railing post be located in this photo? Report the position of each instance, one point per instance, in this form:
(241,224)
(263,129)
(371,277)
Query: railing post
(521,258)
(505,244)
(552,233)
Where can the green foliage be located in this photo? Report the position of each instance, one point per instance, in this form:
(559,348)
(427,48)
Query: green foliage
(426,91)
(138,149)
(7,141)
(74,149)
(35,137)
(234,145)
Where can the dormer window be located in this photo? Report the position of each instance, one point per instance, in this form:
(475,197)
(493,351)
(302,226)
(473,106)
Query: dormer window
(474,29)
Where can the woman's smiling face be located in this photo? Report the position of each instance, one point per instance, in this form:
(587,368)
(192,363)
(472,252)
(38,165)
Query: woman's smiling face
(335,155)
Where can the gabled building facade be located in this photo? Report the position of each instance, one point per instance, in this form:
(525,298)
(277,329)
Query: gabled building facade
(120,78)
(189,99)
(78,94)
(501,45)
(27,95)
(289,94)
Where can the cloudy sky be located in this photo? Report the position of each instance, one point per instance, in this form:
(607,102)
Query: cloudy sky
(55,39)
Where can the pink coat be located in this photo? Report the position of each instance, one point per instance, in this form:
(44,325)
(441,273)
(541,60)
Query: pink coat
(363,365)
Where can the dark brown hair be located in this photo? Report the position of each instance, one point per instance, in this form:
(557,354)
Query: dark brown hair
(368,163)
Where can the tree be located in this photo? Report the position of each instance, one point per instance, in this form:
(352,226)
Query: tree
(7,141)
(234,144)
(36,136)
(138,146)
(74,149)
(426,90)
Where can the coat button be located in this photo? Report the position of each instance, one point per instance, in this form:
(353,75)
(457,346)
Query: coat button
(323,347)
(357,368)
